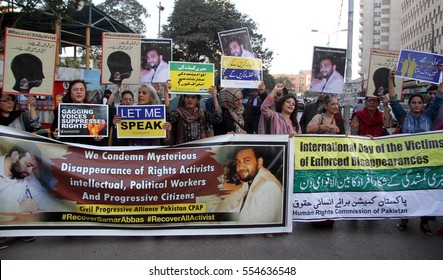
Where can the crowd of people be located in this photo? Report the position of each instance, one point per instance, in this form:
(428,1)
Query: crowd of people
(242,111)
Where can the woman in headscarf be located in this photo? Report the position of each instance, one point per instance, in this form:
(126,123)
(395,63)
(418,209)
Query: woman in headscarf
(233,112)
(189,121)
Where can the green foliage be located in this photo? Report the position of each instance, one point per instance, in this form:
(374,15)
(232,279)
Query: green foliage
(63,8)
(128,12)
(285,80)
(269,80)
(194,27)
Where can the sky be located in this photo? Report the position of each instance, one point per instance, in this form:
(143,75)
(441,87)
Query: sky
(287,26)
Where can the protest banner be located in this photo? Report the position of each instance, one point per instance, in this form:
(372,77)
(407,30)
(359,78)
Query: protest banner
(82,120)
(238,72)
(191,78)
(29,65)
(420,66)
(359,178)
(120,59)
(141,121)
(381,63)
(185,190)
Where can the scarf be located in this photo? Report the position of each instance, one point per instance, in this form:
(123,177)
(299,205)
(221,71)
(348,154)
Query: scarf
(191,125)
(6,121)
(227,98)
(368,124)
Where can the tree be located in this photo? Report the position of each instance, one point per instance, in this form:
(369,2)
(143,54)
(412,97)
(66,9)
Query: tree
(59,8)
(197,40)
(128,12)
(286,81)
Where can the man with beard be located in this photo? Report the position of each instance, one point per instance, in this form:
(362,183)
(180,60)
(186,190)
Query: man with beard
(331,80)
(237,49)
(158,69)
(260,197)
(20,190)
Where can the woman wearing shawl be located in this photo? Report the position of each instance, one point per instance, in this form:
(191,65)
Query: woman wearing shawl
(189,121)
(231,103)
(371,121)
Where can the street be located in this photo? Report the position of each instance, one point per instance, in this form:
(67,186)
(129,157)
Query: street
(347,240)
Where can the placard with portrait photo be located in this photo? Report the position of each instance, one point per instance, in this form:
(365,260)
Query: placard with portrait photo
(154,63)
(236,42)
(328,69)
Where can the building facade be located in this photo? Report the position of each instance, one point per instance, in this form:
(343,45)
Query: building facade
(300,82)
(400,24)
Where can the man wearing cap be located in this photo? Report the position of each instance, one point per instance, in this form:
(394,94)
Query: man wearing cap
(370,121)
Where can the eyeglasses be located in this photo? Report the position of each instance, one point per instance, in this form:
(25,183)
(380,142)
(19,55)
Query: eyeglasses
(128,99)
(8,100)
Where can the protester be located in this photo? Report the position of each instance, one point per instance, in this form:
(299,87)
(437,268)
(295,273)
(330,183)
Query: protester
(21,120)
(253,108)
(284,119)
(147,95)
(189,121)
(106,96)
(127,98)
(264,125)
(233,112)
(76,94)
(370,121)
(430,94)
(416,120)
(329,121)
(311,110)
